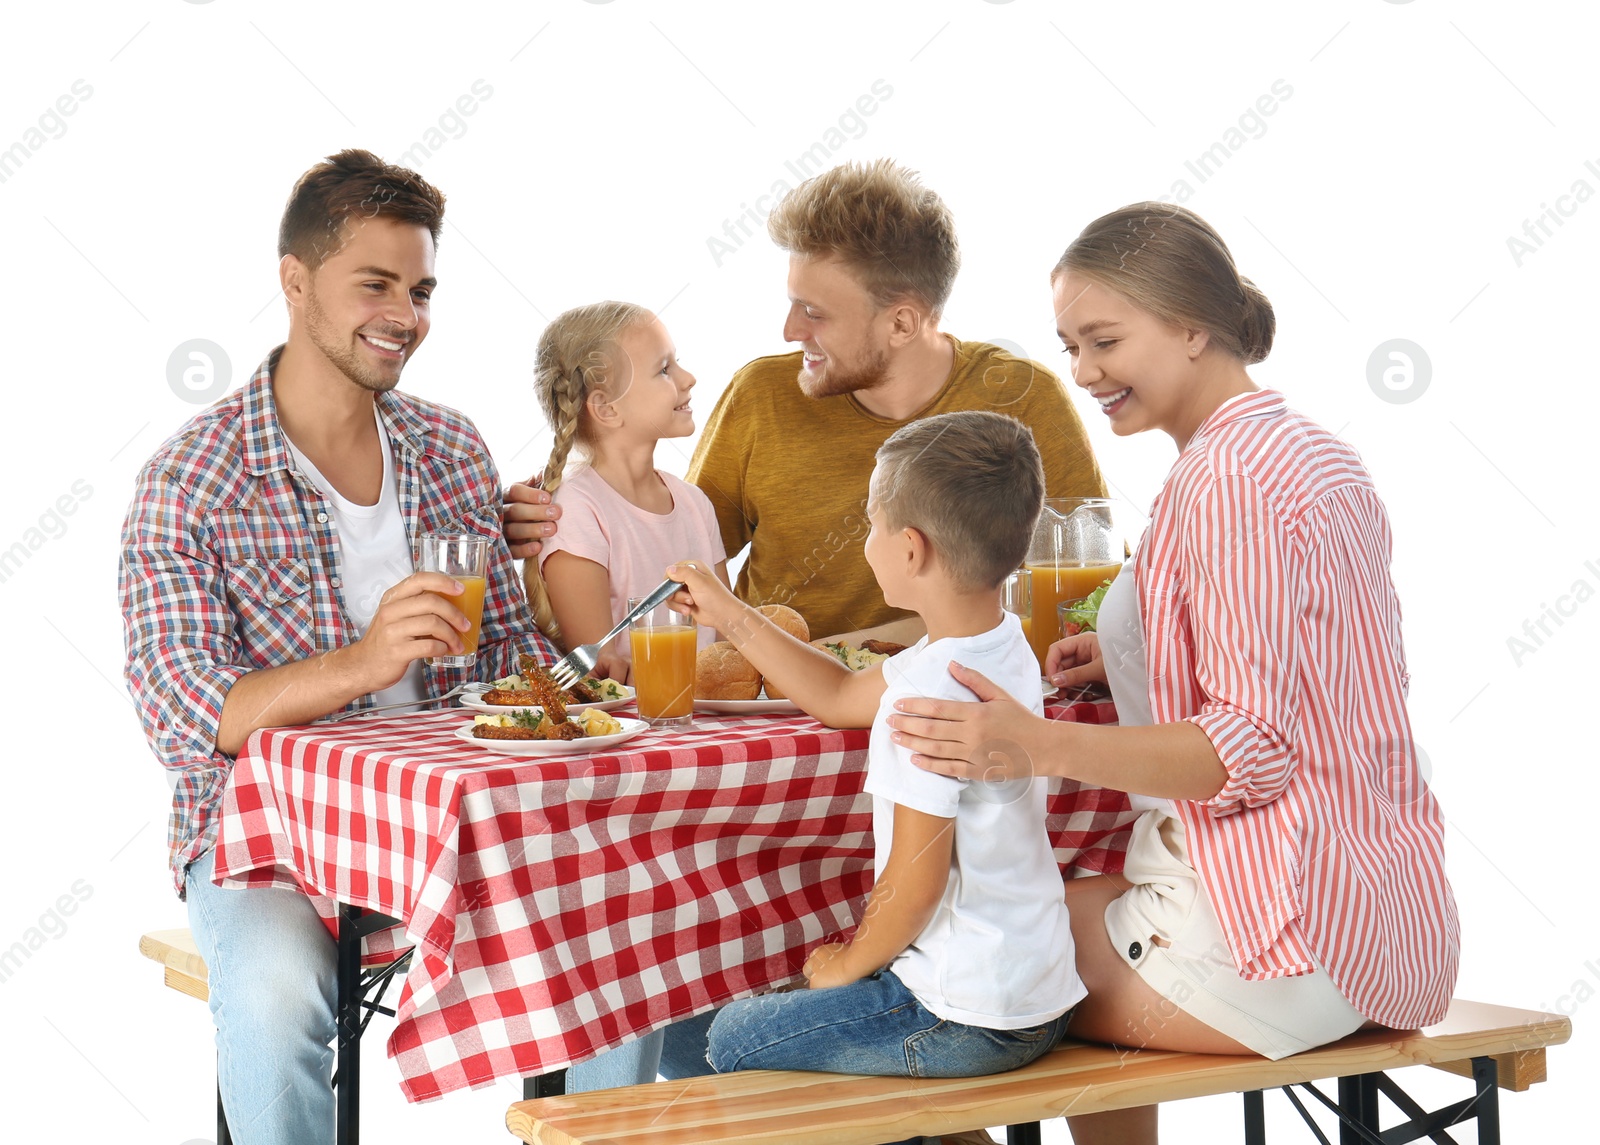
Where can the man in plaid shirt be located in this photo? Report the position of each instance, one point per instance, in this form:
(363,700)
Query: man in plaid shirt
(266,581)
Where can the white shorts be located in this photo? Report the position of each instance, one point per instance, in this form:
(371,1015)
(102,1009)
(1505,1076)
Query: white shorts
(1195,971)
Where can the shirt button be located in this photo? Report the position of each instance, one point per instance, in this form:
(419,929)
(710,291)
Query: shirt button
(322,518)
(336,582)
(1135,950)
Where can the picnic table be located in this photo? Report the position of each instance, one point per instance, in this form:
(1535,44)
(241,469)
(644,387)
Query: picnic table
(561,906)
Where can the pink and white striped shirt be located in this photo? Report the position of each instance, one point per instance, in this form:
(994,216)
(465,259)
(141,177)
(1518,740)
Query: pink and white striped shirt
(1273,625)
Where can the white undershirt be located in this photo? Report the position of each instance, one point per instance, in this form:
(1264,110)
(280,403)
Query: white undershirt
(1122,644)
(374,555)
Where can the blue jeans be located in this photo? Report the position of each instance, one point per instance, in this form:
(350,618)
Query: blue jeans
(872,1026)
(272,971)
(676,1052)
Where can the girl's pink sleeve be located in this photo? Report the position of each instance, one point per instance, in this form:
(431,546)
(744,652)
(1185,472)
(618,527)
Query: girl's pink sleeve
(580,531)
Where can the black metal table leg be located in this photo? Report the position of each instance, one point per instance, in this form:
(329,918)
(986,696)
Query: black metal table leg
(1486,1077)
(1255,1118)
(347,1117)
(1358,1097)
(1027,1134)
(552,1084)
(223,1136)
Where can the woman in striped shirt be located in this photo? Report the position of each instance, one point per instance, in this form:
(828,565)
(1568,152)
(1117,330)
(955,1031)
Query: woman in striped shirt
(1286,882)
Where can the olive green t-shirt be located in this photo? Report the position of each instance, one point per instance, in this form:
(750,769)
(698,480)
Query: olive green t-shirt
(787,474)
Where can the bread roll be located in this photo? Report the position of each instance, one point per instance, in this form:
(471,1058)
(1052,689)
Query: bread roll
(722,673)
(795,625)
(787,619)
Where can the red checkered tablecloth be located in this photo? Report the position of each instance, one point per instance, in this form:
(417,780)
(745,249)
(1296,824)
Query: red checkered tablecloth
(561,906)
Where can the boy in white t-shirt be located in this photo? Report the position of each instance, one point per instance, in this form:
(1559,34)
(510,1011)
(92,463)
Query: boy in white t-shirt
(962,963)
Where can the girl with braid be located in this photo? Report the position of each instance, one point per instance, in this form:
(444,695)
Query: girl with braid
(610,384)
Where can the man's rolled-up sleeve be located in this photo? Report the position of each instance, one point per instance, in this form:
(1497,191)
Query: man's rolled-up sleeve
(1244,590)
(179,631)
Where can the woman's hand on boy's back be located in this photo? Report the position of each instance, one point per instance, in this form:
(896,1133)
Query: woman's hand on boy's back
(992,740)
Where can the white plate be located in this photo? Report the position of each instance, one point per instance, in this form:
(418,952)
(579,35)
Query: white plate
(538,747)
(758,707)
(476,704)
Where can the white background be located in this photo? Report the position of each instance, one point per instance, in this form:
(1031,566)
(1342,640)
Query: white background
(1375,203)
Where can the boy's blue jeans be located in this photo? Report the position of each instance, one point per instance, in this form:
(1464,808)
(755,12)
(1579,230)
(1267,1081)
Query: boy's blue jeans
(679,1051)
(872,1026)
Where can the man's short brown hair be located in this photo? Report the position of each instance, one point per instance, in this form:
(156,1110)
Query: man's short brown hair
(343,191)
(972,483)
(893,233)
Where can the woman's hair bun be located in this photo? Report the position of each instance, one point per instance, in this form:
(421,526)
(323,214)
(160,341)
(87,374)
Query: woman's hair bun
(1257,325)
(1171,262)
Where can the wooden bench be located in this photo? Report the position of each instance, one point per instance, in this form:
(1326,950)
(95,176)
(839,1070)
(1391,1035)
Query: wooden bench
(175,950)
(360,996)
(184,971)
(1495,1045)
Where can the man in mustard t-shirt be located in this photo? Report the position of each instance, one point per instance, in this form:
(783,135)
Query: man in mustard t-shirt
(788,450)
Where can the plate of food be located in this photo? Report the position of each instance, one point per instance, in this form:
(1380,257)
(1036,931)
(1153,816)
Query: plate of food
(526,690)
(726,683)
(760,706)
(868,653)
(529,733)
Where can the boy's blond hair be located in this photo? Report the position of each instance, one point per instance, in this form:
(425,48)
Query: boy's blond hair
(972,483)
(895,235)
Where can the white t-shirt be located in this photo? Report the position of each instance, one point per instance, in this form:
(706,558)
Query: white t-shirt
(1122,645)
(998,952)
(633,545)
(374,555)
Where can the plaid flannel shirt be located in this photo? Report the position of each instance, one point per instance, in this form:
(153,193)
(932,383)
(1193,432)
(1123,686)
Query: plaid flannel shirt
(230,564)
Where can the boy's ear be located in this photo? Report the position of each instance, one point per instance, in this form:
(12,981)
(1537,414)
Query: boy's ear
(919,554)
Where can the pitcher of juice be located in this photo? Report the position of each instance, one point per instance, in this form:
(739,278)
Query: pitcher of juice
(1076,547)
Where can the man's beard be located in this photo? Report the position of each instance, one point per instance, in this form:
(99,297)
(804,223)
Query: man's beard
(345,356)
(871,371)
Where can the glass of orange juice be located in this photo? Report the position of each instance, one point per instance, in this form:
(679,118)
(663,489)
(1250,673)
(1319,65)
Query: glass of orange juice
(1077,545)
(1016,596)
(664,643)
(466,558)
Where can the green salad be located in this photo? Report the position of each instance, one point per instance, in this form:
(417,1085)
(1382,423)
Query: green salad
(1086,614)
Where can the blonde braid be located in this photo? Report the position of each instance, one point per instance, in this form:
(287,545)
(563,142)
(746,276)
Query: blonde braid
(570,365)
(570,395)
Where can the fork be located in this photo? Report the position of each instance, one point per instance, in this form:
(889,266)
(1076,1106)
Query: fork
(578,663)
(458,690)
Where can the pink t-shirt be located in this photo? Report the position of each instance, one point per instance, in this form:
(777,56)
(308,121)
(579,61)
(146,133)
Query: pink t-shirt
(633,545)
